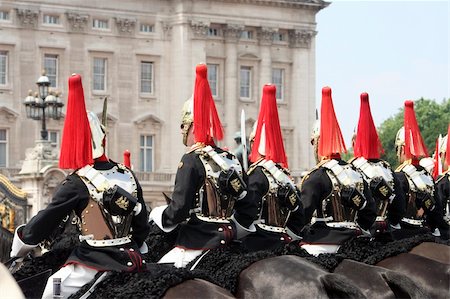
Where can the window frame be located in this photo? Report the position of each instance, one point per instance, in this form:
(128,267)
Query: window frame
(151,26)
(96,22)
(250,69)
(281,84)
(105,75)
(47,17)
(57,134)
(5,141)
(152,78)
(142,153)
(4,84)
(6,13)
(216,81)
(56,57)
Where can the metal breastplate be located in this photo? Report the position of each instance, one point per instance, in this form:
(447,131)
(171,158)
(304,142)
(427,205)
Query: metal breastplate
(341,176)
(380,179)
(419,181)
(95,219)
(211,202)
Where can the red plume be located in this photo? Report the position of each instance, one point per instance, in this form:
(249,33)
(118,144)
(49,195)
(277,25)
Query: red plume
(447,151)
(437,170)
(269,126)
(126,158)
(367,143)
(76,146)
(206,120)
(414,145)
(331,140)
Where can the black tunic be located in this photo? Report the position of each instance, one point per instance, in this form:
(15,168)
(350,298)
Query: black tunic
(73,195)
(435,217)
(196,233)
(316,188)
(258,187)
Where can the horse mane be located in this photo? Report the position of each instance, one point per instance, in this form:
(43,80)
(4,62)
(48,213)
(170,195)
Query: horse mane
(150,284)
(159,243)
(371,251)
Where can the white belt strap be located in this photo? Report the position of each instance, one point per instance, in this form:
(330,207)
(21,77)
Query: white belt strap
(216,157)
(339,172)
(97,179)
(279,175)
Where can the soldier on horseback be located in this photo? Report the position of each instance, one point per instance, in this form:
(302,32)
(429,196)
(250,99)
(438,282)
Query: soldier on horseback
(443,181)
(209,201)
(106,198)
(422,203)
(378,174)
(280,213)
(334,192)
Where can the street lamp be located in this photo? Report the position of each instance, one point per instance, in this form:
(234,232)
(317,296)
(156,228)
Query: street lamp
(43,104)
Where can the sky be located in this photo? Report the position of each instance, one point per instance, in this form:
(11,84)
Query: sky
(393,50)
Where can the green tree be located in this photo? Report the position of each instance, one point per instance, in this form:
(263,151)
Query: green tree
(433,119)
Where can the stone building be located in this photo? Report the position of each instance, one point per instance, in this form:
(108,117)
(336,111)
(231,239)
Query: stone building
(142,54)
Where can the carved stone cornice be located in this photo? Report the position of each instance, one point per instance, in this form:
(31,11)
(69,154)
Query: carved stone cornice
(77,21)
(265,35)
(167,30)
(28,17)
(232,32)
(301,38)
(309,4)
(125,26)
(199,28)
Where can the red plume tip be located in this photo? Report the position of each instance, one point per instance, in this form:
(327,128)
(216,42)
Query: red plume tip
(326,91)
(409,103)
(201,70)
(364,97)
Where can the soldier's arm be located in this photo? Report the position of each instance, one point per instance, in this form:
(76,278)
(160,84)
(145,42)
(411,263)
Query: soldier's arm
(139,223)
(315,188)
(71,195)
(188,179)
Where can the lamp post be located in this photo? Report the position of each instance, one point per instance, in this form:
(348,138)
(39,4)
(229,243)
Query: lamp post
(43,104)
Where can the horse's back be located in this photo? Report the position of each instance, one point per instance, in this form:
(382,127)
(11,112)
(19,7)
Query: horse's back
(429,274)
(197,288)
(377,282)
(434,251)
(289,276)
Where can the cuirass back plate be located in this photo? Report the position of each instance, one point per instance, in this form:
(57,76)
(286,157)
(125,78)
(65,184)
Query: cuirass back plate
(93,222)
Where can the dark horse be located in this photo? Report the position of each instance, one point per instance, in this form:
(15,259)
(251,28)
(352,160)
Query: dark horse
(288,272)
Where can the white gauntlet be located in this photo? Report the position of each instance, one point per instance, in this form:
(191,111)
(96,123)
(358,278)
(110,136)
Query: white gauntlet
(19,248)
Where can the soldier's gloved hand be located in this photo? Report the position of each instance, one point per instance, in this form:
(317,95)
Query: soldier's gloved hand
(425,200)
(230,182)
(19,248)
(352,198)
(289,196)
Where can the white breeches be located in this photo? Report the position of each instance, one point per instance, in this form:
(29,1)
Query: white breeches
(180,257)
(73,277)
(316,249)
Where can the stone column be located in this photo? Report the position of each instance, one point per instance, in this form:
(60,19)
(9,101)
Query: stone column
(265,36)
(302,111)
(232,33)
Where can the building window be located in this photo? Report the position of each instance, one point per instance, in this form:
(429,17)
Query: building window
(146,153)
(279,37)
(213,32)
(51,68)
(51,19)
(278,80)
(245,82)
(3,148)
(99,24)
(99,74)
(247,34)
(213,78)
(53,137)
(4,15)
(3,67)
(147,28)
(146,77)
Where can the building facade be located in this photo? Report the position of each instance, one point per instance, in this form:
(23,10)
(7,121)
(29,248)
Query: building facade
(141,55)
